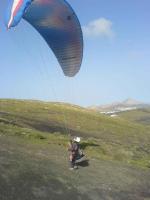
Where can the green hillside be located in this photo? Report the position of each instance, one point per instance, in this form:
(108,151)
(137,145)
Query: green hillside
(115,139)
(34,159)
(141,116)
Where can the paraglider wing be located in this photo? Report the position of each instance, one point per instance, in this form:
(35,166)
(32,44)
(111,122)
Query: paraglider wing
(59,26)
(15,11)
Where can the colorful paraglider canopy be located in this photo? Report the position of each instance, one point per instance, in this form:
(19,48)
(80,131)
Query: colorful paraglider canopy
(57,23)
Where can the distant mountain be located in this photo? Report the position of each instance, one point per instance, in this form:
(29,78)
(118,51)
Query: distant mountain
(131,102)
(128,104)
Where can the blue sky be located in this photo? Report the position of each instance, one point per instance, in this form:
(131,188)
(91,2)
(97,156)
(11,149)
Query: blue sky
(116,62)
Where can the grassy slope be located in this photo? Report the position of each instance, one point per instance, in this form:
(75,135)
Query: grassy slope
(33,158)
(141,116)
(35,169)
(113,139)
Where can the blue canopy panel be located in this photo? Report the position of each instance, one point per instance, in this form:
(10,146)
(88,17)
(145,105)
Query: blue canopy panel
(59,26)
(15,11)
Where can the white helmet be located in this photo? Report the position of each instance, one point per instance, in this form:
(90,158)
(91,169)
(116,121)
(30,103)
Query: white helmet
(77,139)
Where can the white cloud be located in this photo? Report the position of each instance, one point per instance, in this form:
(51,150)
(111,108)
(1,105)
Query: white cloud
(99,28)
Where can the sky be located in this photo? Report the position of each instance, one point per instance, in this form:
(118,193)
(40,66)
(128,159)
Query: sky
(116,62)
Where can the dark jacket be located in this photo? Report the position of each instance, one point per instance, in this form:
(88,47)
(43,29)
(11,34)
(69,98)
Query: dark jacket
(74,148)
